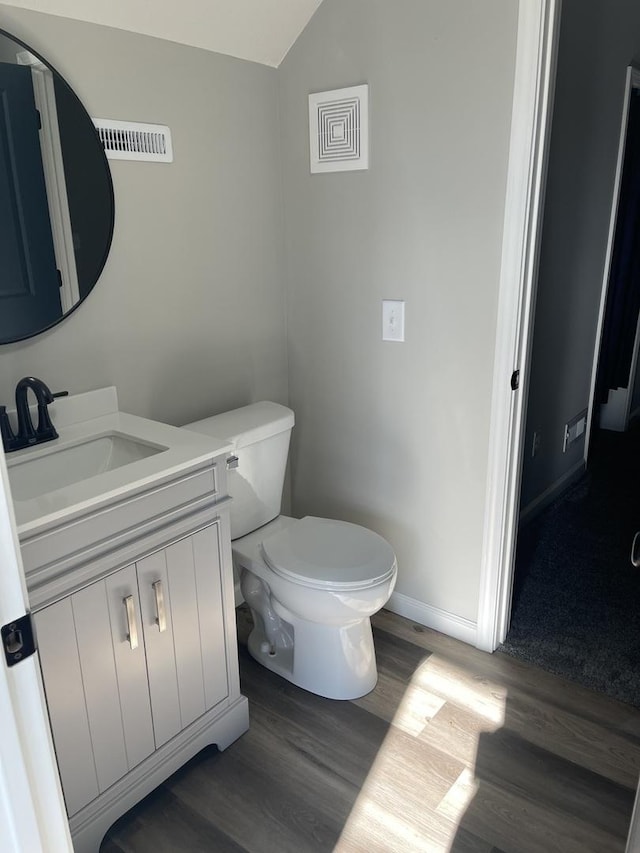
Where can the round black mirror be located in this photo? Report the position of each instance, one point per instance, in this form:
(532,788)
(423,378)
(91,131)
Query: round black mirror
(56,195)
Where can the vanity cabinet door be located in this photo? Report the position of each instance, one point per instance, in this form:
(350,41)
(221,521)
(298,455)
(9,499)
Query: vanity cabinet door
(100,681)
(60,664)
(114,674)
(131,664)
(207,566)
(95,678)
(181,597)
(158,639)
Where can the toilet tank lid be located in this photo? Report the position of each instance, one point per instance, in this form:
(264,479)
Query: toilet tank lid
(246,425)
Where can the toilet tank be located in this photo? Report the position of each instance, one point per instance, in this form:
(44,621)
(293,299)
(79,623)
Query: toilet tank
(260,436)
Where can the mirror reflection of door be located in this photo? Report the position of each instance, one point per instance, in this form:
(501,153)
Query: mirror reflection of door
(55,177)
(30,282)
(74,207)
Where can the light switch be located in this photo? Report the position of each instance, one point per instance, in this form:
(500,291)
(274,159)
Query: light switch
(393,320)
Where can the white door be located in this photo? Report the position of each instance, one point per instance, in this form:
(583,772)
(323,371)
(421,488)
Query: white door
(32,813)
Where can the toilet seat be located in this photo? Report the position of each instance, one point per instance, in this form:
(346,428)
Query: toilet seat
(327,554)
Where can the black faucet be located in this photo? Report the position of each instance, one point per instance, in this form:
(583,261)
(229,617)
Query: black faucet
(27,434)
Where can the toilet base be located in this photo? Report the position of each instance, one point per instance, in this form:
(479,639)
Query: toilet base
(337,662)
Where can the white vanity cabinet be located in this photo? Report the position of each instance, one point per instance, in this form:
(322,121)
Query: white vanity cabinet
(133,607)
(131,660)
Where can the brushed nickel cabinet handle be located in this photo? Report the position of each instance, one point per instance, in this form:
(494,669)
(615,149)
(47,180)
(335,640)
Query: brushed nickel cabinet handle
(161,616)
(132,636)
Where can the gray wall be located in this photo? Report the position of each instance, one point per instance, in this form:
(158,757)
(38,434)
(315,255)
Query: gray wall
(396,435)
(188,315)
(598,40)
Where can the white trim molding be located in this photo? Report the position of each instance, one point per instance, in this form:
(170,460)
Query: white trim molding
(538,27)
(432,617)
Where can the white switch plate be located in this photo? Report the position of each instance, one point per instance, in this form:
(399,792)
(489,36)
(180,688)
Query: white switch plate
(393,320)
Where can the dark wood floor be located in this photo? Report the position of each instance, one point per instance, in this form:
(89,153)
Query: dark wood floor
(455,750)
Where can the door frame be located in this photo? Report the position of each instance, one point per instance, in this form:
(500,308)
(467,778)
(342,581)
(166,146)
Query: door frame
(620,401)
(32,811)
(534,84)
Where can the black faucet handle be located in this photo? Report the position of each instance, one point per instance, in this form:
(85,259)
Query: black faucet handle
(45,429)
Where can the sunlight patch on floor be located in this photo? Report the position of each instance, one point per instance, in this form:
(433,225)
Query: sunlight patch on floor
(415,794)
(377,829)
(417,708)
(457,799)
(455,685)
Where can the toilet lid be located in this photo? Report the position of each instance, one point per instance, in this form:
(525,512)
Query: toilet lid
(329,554)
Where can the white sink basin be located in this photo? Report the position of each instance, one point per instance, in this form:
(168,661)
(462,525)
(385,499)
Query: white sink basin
(55,467)
(102,457)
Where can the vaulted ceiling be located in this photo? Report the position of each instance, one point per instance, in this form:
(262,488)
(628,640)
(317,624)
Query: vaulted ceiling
(257,30)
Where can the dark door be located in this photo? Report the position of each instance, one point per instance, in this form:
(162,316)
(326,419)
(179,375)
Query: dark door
(29,282)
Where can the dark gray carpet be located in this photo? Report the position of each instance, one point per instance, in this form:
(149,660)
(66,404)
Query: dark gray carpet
(576,607)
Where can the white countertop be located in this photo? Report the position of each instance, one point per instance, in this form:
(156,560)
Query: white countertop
(87,416)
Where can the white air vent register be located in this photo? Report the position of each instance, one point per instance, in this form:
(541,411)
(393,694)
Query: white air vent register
(339,129)
(131,140)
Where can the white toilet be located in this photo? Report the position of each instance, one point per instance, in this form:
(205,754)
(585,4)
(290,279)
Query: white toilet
(312,584)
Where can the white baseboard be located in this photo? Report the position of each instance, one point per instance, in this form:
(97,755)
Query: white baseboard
(536,506)
(433,617)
